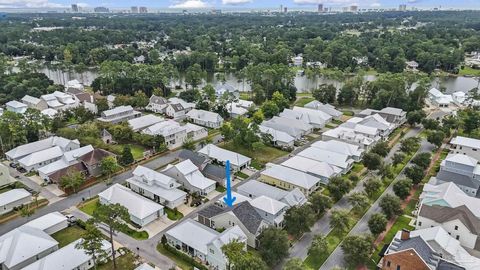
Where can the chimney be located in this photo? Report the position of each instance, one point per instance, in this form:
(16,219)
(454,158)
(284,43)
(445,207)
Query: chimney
(405,235)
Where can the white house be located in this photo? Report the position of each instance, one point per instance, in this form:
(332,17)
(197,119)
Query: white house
(26,149)
(14,198)
(15,106)
(237,161)
(222,89)
(279,138)
(50,113)
(324,107)
(175,111)
(186,105)
(297,61)
(34,103)
(288,178)
(270,209)
(204,243)
(392,115)
(157,104)
(174,134)
(296,133)
(234,110)
(341,161)
(156,186)
(411,65)
(5,177)
(142,211)
(41,158)
(466,146)
(69,258)
(119,114)
(438,98)
(67,159)
(305,127)
(352,150)
(253,189)
(365,137)
(196,133)
(49,223)
(190,177)
(315,118)
(205,118)
(320,169)
(142,122)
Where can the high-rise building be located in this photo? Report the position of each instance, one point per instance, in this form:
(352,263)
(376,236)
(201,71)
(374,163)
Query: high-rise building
(134,9)
(320,8)
(101,10)
(281,8)
(285,9)
(74,8)
(402,7)
(143,10)
(353,8)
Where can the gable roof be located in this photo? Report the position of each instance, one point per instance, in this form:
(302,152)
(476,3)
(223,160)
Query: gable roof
(442,214)
(277,135)
(117,110)
(313,167)
(336,159)
(158,100)
(339,147)
(204,115)
(290,175)
(192,174)
(153,176)
(46,221)
(415,244)
(268,205)
(457,178)
(96,156)
(215,152)
(326,108)
(16,104)
(57,176)
(464,141)
(194,234)
(144,121)
(31,100)
(461,159)
(13,196)
(195,158)
(40,156)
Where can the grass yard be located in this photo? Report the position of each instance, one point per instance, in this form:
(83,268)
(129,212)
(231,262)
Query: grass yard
(469,71)
(220,189)
(245,95)
(68,235)
(401,223)
(263,155)
(172,215)
(137,150)
(178,261)
(139,235)
(303,100)
(88,207)
(124,262)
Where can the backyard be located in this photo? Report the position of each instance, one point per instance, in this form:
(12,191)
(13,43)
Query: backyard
(124,262)
(68,235)
(259,156)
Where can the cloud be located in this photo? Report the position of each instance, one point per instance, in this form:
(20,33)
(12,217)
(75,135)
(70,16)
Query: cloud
(29,4)
(188,4)
(235,2)
(375,5)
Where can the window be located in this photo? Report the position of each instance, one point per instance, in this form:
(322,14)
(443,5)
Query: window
(456,228)
(398,267)
(388,264)
(473,149)
(458,237)
(419,223)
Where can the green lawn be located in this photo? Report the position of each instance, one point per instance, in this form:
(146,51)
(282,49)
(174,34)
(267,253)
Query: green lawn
(124,262)
(469,71)
(89,207)
(137,150)
(303,100)
(178,261)
(263,155)
(172,215)
(347,113)
(68,235)
(245,95)
(139,235)
(220,189)
(400,223)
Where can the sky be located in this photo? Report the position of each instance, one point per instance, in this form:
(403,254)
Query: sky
(240,4)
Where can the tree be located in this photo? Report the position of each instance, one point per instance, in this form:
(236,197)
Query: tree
(273,245)
(299,219)
(280,100)
(377,223)
(359,201)
(325,93)
(270,109)
(398,158)
(338,186)
(190,95)
(430,124)
(258,117)
(381,148)
(319,245)
(72,180)
(416,173)
(209,92)
(189,145)
(357,249)
(387,171)
(415,117)
(372,161)
(319,203)
(194,75)
(239,259)
(92,243)
(340,219)
(390,205)
(402,188)
(436,138)
(422,160)
(127,157)
(372,186)
(410,145)
(108,166)
(294,264)
(114,216)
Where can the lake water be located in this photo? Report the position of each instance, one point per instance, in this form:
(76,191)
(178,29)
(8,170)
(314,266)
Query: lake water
(303,84)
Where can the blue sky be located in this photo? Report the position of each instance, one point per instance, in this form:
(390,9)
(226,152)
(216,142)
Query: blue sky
(242,4)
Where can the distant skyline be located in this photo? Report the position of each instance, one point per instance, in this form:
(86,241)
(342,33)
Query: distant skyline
(242,4)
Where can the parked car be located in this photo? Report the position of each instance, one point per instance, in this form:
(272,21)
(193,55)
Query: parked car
(71,219)
(13,165)
(21,170)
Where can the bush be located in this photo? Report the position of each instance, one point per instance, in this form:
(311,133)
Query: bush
(184,257)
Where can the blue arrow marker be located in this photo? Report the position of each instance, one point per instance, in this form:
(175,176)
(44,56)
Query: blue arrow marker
(228,199)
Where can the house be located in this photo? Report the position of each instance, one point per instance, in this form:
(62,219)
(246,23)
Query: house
(174,134)
(74,85)
(190,177)
(392,115)
(288,179)
(202,242)
(372,126)
(93,160)
(279,138)
(14,198)
(246,104)
(324,107)
(50,113)
(196,133)
(438,98)
(142,122)
(316,118)
(139,59)
(156,186)
(342,161)
(243,215)
(52,101)
(365,137)
(27,149)
(16,107)
(175,111)
(234,110)
(305,128)
(459,98)
(69,257)
(41,158)
(67,100)
(49,223)
(157,104)
(219,155)
(110,100)
(322,170)
(462,170)
(186,105)
(352,150)
(239,198)
(34,103)
(226,89)
(119,114)
(297,61)
(23,246)
(411,65)
(270,209)
(5,177)
(142,211)
(205,118)
(429,249)
(296,133)
(465,146)
(56,177)
(253,189)
(67,159)
(211,171)
(106,137)
(459,222)
(84,98)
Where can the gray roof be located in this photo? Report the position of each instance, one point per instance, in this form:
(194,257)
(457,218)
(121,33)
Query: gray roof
(459,179)
(214,172)
(256,188)
(445,265)
(194,157)
(211,211)
(416,243)
(158,100)
(442,214)
(244,211)
(177,107)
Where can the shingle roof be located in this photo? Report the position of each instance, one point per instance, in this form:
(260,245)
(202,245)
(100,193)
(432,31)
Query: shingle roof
(158,100)
(95,156)
(459,179)
(415,243)
(244,211)
(442,214)
(56,176)
(194,157)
